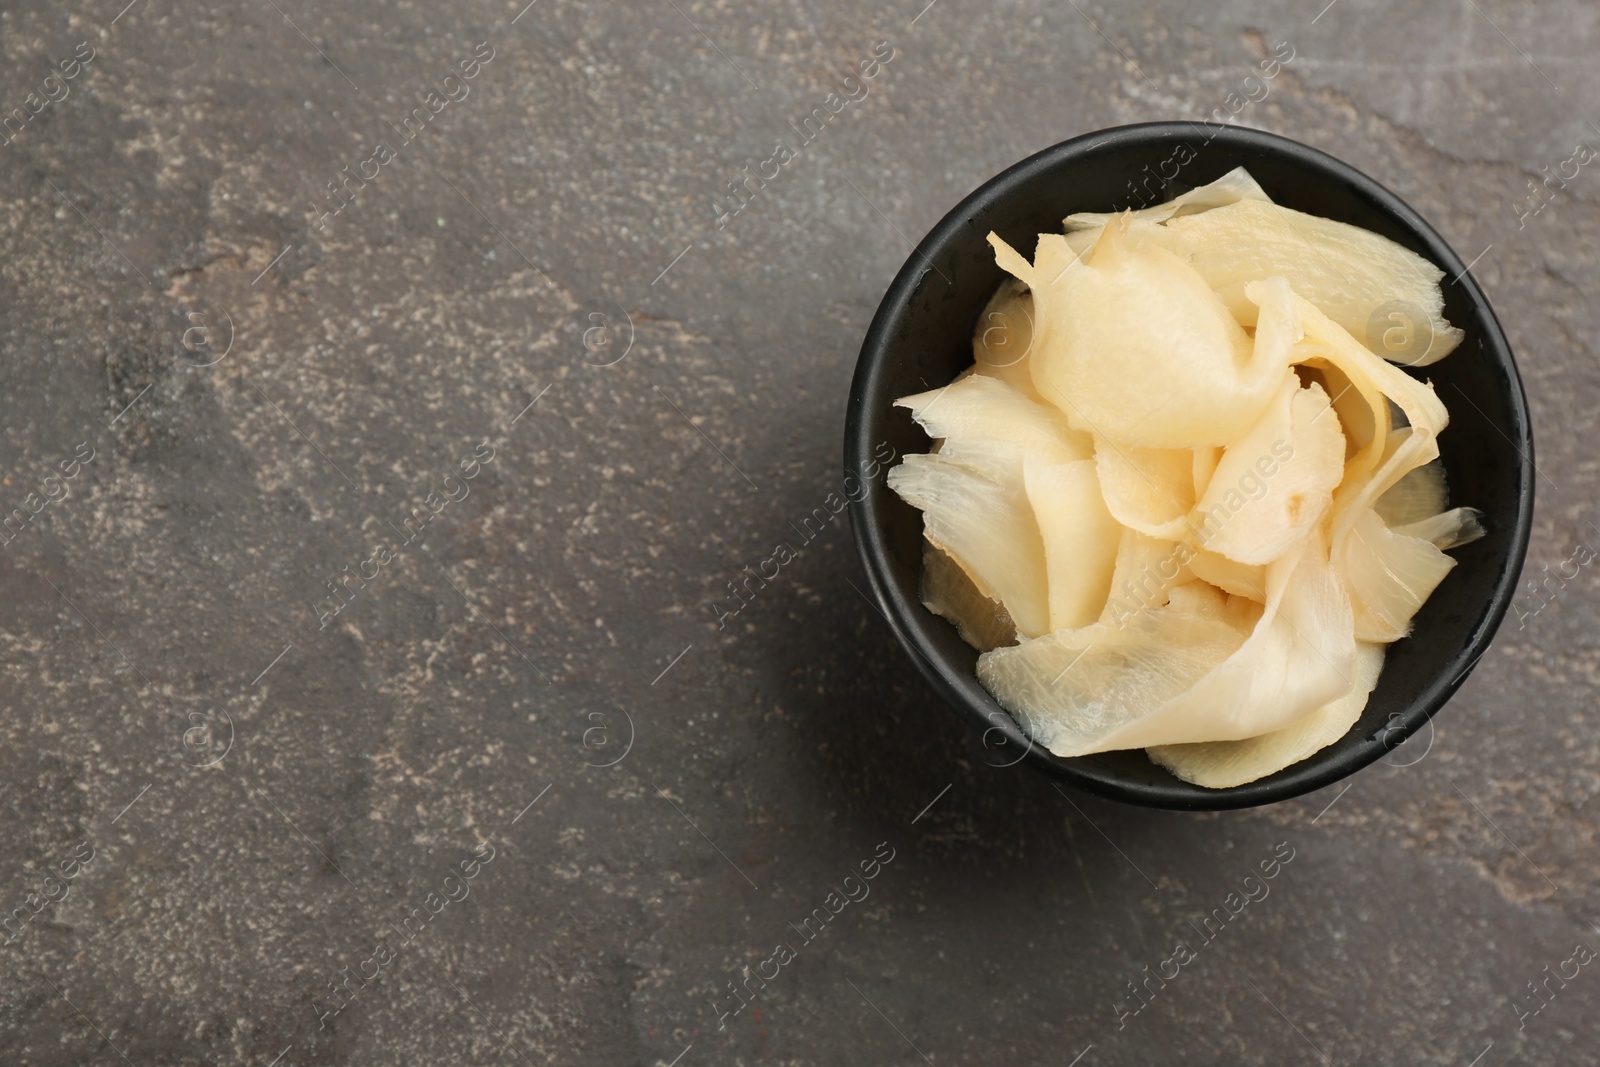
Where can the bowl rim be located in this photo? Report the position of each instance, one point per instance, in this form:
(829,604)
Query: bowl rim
(867,510)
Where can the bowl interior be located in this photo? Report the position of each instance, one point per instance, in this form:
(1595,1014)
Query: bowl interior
(921,339)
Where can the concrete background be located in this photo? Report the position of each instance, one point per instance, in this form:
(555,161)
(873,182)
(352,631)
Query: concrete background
(252,793)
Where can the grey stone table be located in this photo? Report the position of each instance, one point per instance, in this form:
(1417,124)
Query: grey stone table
(394,391)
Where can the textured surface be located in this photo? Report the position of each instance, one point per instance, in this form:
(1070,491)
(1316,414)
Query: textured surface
(269,787)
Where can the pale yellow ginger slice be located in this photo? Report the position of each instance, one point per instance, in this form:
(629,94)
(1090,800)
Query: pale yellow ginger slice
(1182,673)
(972,494)
(985,423)
(1419,494)
(1232,187)
(1140,233)
(1145,572)
(1362,416)
(1389,575)
(986,524)
(1224,764)
(1232,233)
(1003,338)
(1080,538)
(1380,292)
(1147,489)
(1423,410)
(1447,530)
(1299,656)
(1415,506)
(1073,688)
(1365,416)
(1205,464)
(1276,482)
(949,592)
(1236,579)
(1357,379)
(1131,344)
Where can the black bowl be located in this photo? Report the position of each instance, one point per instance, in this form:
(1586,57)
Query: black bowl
(921,339)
